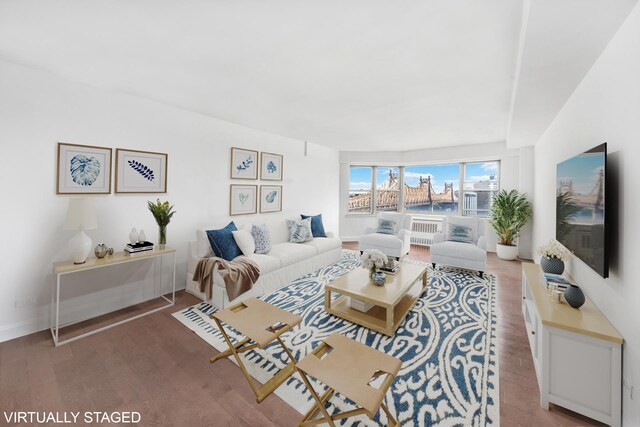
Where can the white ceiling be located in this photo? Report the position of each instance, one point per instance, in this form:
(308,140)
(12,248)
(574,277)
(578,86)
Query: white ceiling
(353,75)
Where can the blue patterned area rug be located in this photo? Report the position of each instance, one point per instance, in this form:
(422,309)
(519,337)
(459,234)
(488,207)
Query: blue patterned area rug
(448,345)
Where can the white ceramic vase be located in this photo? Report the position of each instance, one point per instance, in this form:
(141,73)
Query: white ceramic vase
(133,236)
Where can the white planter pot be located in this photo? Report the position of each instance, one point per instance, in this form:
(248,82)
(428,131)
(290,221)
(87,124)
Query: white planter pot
(506,252)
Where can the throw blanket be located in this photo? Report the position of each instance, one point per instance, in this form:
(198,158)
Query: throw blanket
(239,275)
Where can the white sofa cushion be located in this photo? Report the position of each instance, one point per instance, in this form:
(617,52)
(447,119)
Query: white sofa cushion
(289,253)
(458,250)
(381,240)
(324,244)
(266,263)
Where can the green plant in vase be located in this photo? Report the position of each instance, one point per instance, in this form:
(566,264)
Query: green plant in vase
(510,211)
(162,212)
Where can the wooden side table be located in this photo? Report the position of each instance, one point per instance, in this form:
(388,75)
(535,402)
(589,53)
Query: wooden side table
(64,268)
(263,324)
(348,367)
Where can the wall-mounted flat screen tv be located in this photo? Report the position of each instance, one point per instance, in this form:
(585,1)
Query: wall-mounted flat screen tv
(581,224)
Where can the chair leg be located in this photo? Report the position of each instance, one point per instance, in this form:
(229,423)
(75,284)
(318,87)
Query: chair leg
(433,264)
(482,274)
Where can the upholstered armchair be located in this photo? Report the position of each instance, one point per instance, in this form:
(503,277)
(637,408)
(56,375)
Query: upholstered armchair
(461,243)
(394,243)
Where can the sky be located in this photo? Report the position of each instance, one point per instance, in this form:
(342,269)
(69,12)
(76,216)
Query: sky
(583,170)
(360,178)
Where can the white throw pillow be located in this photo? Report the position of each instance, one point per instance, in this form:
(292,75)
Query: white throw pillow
(244,240)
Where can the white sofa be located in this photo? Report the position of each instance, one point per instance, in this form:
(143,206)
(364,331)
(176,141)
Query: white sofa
(284,263)
(471,256)
(393,245)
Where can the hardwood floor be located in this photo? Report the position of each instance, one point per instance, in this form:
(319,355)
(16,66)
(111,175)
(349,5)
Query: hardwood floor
(156,366)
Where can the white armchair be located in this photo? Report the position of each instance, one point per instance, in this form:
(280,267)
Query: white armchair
(472,255)
(393,245)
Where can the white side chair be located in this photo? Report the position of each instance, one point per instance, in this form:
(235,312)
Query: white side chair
(471,256)
(393,245)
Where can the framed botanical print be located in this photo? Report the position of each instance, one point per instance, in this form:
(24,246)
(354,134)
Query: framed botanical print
(141,171)
(83,169)
(243,199)
(271,167)
(270,198)
(244,163)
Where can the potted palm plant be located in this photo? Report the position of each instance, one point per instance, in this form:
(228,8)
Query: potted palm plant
(510,211)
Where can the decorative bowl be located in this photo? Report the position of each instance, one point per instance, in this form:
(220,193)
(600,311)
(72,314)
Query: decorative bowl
(378,278)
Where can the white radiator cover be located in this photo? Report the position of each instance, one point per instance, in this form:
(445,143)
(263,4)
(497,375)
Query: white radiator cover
(423,229)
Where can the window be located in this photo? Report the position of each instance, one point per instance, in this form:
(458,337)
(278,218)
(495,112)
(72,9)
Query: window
(432,188)
(454,188)
(387,188)
(360,188)
(481,183)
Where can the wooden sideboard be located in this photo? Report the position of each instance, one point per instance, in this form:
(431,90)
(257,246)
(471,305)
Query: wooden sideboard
(577,353)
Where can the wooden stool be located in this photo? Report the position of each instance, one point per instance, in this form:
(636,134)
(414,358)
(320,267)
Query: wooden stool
(347,367)
(261,323)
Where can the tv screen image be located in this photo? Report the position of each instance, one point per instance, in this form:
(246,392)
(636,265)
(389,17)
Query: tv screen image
(580,207)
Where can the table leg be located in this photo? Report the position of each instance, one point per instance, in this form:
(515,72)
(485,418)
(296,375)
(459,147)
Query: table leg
(57,309)
(389,325)
(173,292)
(327,299)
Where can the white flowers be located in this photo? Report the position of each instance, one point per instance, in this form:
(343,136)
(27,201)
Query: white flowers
(553,249)
(371,258)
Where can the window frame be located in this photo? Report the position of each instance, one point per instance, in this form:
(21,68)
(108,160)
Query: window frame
(401,168)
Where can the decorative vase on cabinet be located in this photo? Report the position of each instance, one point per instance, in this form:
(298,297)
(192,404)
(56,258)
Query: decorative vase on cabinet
(574,296)
(552,265)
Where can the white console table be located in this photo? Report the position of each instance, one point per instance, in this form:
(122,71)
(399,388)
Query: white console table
(64,268)
(577,353)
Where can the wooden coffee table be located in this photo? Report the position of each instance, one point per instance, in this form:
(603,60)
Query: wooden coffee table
(391,302)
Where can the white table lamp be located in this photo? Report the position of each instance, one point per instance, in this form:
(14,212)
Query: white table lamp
(81,216)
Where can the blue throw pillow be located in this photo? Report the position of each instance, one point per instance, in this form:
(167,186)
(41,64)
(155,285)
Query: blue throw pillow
(386,226)
(460,233)
(222,242)
(317,227)
(262,238)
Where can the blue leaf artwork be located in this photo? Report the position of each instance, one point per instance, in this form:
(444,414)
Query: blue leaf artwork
(271,167)
(271,196)
(243,197)
(142,170)
(245,164)
(84,170)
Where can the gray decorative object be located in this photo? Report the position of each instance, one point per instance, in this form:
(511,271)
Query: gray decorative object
(574,296)
(552,265)
(378,278)
(101,250)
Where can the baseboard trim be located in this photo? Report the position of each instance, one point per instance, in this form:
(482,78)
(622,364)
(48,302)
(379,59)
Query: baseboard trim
(26,327)
(349,238)
(42,321)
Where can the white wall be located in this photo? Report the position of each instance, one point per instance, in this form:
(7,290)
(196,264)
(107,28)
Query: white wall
(351,226)
(605,107)
(38,109)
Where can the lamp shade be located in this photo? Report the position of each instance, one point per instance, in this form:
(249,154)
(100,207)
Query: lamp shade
(81,215)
